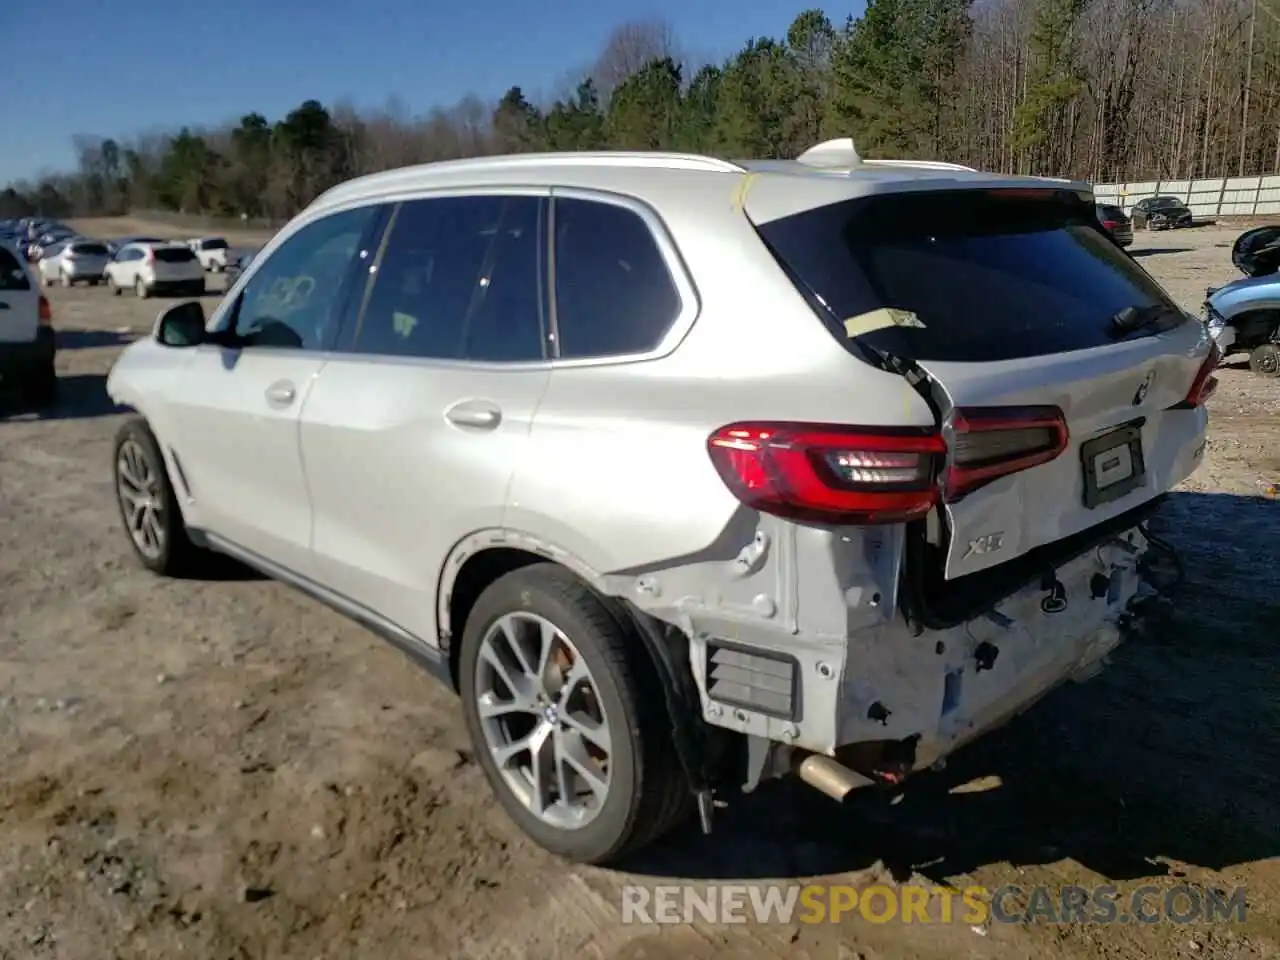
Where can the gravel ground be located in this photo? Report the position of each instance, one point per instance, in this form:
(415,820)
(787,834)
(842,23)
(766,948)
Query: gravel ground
(228,770)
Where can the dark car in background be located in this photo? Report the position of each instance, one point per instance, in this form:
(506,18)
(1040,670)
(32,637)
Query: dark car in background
(1160,213)
(1116,222)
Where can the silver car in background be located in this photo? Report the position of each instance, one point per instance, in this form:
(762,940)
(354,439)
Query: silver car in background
(76,261)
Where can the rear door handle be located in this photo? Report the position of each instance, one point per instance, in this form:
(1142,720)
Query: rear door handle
(478,414)
(281,393)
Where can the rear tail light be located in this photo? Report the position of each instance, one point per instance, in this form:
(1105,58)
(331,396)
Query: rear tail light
(150,257)
(1205,384)
(45,312)
(1109,224)
(993,442)
(820,473)
(829,474)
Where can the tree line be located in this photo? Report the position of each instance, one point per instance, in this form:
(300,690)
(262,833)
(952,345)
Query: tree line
(1102,90)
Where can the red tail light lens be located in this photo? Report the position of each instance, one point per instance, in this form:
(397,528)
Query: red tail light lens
(150,257)
(830,474)
(45,311)
(1205,384)
(1109,224)
(993,442)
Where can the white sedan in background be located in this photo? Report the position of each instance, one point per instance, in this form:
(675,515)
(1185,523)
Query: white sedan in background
(156,268)
(76,261)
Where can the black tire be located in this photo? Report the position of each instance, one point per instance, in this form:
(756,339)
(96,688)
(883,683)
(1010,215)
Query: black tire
(140,289)
(649,793)
(1265,360)
(178,555)
(42,390)
(111,285)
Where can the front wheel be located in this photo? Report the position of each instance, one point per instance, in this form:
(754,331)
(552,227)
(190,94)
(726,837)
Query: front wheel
(148,506)
(566,717)
(1265,360)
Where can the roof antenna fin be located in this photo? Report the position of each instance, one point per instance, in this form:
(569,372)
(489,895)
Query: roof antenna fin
(839,153)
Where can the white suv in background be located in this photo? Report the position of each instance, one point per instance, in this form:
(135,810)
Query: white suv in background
(685,473)
(156,269)
(27,340)
(211,252)
(78,261)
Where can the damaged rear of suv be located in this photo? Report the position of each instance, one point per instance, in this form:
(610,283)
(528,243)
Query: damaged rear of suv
(686,473)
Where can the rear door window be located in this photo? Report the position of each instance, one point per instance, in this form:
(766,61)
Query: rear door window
(12,277)
(460,278)
(89,250)
(963,275)
(614,293)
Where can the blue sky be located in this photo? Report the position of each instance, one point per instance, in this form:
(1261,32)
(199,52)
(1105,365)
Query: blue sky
(71,66)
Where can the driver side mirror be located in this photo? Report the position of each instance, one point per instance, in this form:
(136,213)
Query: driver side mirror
(182,325)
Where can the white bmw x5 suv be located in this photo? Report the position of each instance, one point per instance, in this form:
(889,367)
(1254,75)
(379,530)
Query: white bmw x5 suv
(684,473)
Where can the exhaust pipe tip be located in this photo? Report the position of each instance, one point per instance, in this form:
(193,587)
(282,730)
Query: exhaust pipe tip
(829,776)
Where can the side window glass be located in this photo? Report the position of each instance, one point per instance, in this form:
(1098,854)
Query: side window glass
(12,276)
(614,293)
(291,301)
(458,280)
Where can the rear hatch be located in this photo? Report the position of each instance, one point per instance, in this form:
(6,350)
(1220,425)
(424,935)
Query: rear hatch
(1056,418)
(176,263)
(87,258)
(19,300)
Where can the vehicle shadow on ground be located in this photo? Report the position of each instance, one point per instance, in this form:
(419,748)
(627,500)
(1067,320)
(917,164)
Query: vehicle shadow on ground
(81,396)
(1156,251)
(1170,753)
(90,339)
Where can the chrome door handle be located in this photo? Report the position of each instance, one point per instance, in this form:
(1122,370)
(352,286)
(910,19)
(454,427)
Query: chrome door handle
(281,393)
(472,413)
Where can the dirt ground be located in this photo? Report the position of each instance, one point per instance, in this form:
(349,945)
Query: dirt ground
(227,770)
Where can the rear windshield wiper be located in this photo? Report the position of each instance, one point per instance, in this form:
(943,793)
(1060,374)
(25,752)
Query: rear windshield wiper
(1154,315)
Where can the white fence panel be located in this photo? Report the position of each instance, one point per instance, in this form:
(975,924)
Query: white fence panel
(1216,197)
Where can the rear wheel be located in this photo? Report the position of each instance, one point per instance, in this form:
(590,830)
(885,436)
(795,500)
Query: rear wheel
(1265,360)
(148,506)
(64,280)
(566,717)
(140,289)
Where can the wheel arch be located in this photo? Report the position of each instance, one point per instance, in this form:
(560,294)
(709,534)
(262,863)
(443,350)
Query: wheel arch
(478,560)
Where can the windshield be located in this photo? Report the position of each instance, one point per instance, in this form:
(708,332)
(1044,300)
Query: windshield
(963,275)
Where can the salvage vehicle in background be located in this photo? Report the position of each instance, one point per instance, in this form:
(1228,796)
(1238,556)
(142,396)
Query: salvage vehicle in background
(685,473)
(1244,318)
(1160,213)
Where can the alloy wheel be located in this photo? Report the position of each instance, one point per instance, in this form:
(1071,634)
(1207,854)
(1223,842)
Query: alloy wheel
(142,499)
(543,720)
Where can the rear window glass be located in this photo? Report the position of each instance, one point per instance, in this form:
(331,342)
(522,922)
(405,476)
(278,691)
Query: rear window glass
(90,249)
(12,276)
(214,243)
(174,254)
(988,275)
(1110,213)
